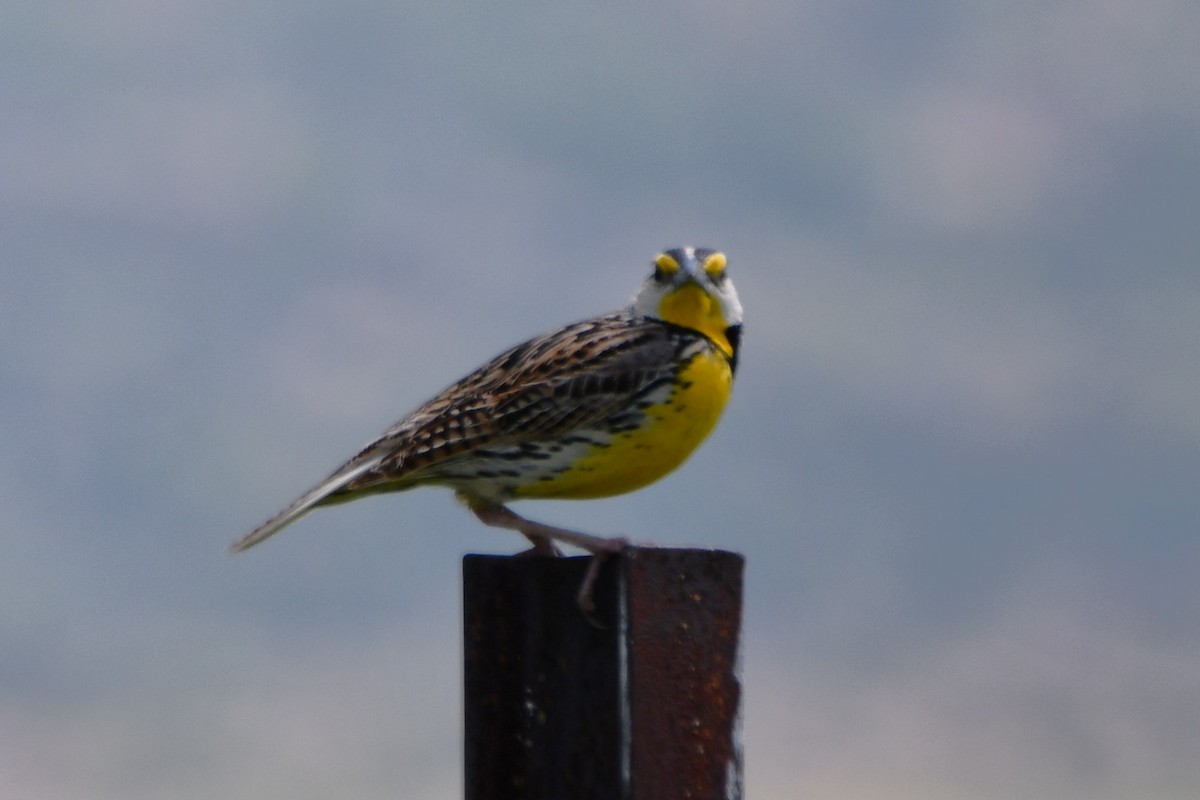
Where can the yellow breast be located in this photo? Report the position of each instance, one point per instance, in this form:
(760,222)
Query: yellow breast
(670,431)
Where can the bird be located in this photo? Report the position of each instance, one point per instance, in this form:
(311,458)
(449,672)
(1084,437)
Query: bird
(592,409)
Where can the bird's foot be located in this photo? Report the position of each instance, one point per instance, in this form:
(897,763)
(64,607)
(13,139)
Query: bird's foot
(542,548)
(614,546)
(544,538)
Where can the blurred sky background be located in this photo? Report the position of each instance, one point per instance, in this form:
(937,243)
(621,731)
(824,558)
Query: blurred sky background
(239,239)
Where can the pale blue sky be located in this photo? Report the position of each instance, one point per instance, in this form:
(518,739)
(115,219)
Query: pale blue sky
(962,459)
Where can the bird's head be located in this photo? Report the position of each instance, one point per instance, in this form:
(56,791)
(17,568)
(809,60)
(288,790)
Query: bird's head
(690,287)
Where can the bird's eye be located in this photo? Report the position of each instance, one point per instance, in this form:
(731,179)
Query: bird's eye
(714,266)
(664,267)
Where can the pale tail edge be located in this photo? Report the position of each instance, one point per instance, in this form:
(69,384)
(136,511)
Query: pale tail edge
(300,507)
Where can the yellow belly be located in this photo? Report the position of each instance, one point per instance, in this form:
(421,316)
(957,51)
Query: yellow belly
(672,430)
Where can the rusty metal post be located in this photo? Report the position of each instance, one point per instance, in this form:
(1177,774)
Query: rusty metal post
(642,703)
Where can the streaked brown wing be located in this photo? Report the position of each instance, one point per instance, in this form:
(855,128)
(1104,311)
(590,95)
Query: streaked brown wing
(567,379)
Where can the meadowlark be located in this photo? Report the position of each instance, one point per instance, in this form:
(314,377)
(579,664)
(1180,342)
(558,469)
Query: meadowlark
(593,409)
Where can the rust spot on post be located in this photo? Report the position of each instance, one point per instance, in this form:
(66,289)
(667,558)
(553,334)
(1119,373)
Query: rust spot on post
(685,694)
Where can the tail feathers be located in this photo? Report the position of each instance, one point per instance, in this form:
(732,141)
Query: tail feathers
(302,506)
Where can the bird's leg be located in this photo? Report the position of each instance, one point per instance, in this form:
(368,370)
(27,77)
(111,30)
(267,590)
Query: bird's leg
(500,517)
(543,536)
(542,547)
